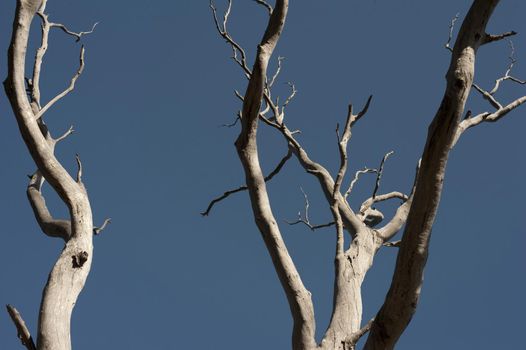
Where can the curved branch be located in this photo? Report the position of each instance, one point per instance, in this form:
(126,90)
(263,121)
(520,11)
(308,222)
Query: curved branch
(22,332)
(298,296)
(67,277)
(244,188)
(70,88)
(402,298)
(51,227)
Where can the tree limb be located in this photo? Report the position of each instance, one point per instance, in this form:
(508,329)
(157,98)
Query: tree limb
(22,332)
(402,298)
(298,296)
(269,177)
(66,280)
(70,88)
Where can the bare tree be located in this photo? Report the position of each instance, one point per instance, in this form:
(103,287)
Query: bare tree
(414,217)
(69,274)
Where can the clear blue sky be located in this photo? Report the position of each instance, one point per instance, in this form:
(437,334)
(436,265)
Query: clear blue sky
(158,84)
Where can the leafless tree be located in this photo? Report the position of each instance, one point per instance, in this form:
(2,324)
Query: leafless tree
(414,217)
(69,274)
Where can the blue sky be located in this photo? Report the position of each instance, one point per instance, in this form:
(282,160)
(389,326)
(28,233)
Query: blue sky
(147,112)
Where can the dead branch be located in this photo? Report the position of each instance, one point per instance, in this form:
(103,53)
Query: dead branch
(21,328)
(488,96)
(78,35)
(222,30)
(266,5)
(305,219)
(507,75)
(98,230)
(355,337)
(356,177)
(489,38)
(269,177)
(451,28)
(380,172)
(70,88)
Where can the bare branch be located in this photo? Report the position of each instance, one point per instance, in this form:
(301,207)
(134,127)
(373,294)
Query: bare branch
(390,229)
(276,74)
(488,96)
(351,221)
(64,283)
(269,177)
(221,29)
(383,197)
(507,75)
(22,332)
(486,117)
(97,230)
(451,28)
(380,171)
(488,38)
(66,134)
(238,117)
(266,5)
(70,88)
(403,295)
(305,219)
(79,171)
(298,296)
(362,112)
(394,244)
(50,226)
(355,337)
(356,177)
(78,35)
(291,96)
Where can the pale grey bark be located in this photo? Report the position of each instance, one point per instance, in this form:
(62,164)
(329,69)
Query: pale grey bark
(69,273)
(298,296)
(417,211)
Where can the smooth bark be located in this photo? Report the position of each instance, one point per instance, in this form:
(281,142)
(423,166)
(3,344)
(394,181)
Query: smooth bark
(69,273)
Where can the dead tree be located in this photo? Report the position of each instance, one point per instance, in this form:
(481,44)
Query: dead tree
(69,274)
(414,217)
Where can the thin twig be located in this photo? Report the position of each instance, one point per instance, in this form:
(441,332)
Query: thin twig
(78,35)
(507,75)
(488,38)
(79,171)
(451,28)
(242,62)
(487,96)
(70,88)
(356,177)
(97,230)
(305,219)
(266,5)
(66,134)
(278,70)
(380,173)
(244,188)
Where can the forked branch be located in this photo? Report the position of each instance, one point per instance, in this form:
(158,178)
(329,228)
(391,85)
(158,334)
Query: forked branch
(70,88)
